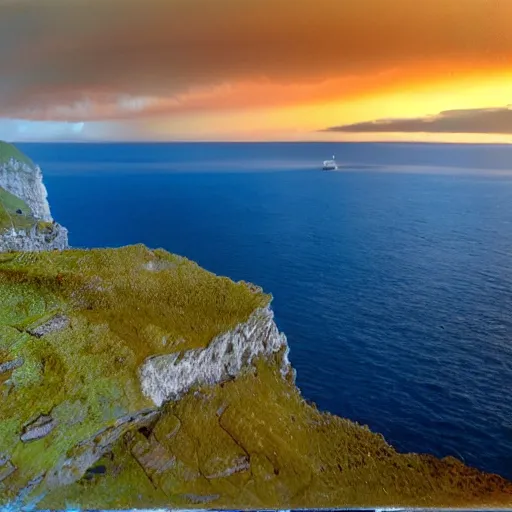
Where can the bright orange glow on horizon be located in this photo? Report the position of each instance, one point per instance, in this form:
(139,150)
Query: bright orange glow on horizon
(305,120)
(254,69)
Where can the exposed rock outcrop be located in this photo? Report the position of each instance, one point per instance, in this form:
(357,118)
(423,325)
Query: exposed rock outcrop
(38,429)
(26,223)
(26,182)
(56,323)
(170,376)
(54,237)
(11,365)
(86,453)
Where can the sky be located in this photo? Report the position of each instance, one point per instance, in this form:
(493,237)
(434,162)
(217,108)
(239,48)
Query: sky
(244,70)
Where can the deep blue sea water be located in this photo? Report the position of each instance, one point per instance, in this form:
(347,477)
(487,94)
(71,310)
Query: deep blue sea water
(392,278)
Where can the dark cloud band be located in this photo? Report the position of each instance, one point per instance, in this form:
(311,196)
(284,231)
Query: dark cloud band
(490,120)
(64,52)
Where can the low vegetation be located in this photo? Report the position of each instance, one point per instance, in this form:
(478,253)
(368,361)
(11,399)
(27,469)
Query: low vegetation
(255,443)
(14,212)
(8,152)
(79,323)
(123,305)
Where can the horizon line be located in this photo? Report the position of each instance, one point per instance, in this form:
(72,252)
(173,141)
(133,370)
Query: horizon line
(391,142)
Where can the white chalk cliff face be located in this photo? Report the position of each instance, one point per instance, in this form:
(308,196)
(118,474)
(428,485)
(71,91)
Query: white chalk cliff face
(38,231)
(168,377)
(26,182)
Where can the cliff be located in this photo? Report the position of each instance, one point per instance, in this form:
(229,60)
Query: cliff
(26,223)
(133,378)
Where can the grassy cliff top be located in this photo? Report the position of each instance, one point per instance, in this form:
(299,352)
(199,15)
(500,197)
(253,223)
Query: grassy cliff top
(9,216)
(128,288)
(74,328)
(113,308)
(8,151)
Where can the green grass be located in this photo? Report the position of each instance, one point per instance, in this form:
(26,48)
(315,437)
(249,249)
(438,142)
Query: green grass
(131,486)
(9,204)
(122,305)
(12,203)
(119,312)
(299,457)
(183,302)
(9,151)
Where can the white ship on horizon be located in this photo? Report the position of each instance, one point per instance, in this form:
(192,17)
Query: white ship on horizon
(330,165)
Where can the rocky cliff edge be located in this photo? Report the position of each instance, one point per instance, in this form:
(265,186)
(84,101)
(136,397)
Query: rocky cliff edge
(26,223)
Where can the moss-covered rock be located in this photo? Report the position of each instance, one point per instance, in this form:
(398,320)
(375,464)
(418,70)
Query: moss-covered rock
(76,428)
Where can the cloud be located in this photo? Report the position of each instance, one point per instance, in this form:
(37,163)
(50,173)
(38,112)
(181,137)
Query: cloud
(484,120)
(22,130)
(75,60)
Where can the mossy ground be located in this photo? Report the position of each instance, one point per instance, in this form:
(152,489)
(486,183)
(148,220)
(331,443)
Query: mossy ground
(123,306)
(126,304)
(299,457)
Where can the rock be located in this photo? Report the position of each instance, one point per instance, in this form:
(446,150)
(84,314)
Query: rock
(241,464)
(38,429)
(253,287)
(25,492)
(26,182)
(34,241)
(221,409)
(166,428)
(196,498)
(57,323)
(26,223)
(170,376)
(72,467)
(11,365)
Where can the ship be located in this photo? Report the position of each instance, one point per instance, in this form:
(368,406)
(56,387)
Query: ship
(330,165)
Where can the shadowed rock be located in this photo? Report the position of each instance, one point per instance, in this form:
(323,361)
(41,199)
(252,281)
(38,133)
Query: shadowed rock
(88,452)
(38,429)
(11,365)
(57,323)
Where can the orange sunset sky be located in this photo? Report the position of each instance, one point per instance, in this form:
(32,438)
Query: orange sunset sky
(354,70)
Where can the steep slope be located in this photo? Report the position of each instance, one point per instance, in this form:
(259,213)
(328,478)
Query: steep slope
(134,378)
(9,152)
(25,220)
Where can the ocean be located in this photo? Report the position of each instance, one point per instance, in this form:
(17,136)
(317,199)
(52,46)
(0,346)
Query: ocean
(391,278)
